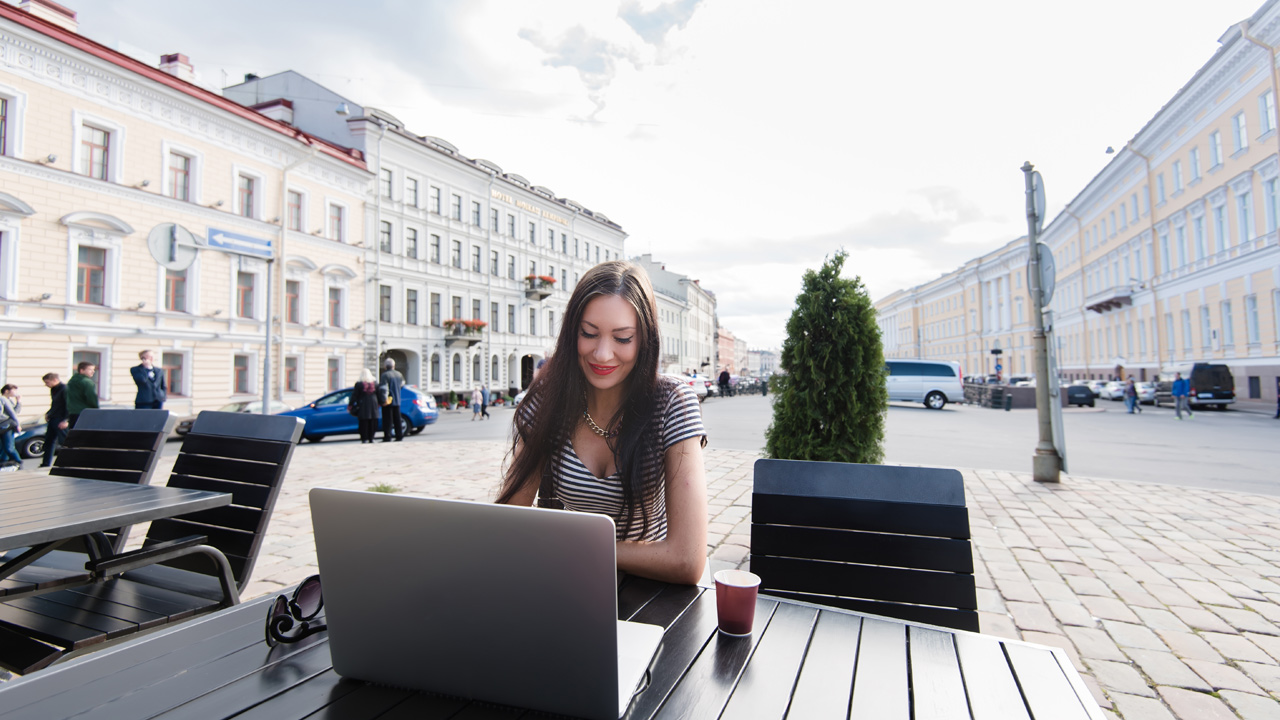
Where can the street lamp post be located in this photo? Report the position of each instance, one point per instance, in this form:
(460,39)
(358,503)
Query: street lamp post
(1045,464)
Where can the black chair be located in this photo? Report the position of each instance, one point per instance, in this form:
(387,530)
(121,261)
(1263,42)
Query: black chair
(879,539)
(187,566)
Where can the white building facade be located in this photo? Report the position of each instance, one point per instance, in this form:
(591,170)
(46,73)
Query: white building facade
(687,317)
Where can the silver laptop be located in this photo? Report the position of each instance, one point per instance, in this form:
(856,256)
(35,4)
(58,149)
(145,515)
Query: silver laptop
(504,604)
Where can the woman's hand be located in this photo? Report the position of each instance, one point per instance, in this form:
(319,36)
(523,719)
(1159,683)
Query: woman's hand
(681,557)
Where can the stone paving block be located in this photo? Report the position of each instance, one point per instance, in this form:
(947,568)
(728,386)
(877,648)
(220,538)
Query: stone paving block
(1174,571)
(1188,705)
(1041,571)
(1072,613)
(1106,608)
(1190,646)
(1246,620)
(1165,668)
(1130,635)
(1240,590)
(1267,675)
(998,624)
(1136,707)
(1094,643)
(1020,590)
(1055,590)
(1034,617)
(1059,554)
(1237,647)
(1159,619)
(1224,677)
(991,601)
(1096,691)
(1088,586)
(1201,619)
(1270,644)
(1119,677)
(1208,593)
(1252,707)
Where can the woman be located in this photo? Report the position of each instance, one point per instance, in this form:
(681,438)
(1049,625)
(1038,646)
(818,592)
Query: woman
(600,431)
(366,404)
(476,402)
(10,428)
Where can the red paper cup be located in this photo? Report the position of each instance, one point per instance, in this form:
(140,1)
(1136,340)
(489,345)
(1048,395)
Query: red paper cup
(736,600)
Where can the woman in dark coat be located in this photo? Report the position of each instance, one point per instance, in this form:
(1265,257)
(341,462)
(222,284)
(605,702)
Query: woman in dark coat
(366,404)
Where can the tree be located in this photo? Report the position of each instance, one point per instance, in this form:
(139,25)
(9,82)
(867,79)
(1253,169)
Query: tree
(832,398)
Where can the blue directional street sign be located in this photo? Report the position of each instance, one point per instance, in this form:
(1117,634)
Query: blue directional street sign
(999,367)
(230,242)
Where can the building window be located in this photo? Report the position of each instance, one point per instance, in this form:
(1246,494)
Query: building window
(1177,176)
(475,213)
(384,183)
(511,319)
(493,316)
(246,191)
(333,368)
(1244,214)
(244,294)
(1186,331)
(564,243)
(1181,234)
(91,276)
(4,126)
(433,199)
(1267,111)
(435,248)
(533,321)
(455,256)
(475,259)
(337,223)
(1228,325)
(171,364)
(1160,194)
(335,307)
(411,192)
(511,267)
(533,233)
(294,210)
(292,301)
(457,368)
(1206,327)
(384,303)
(1239,133)
(456,307)
(493,263)
(475,310)
(1269,195)
(511,225)
(411,243)
(435,368)
(1197,228)
(493,220)
(1168,332)
(384,237)
(1215,149)
(175,290)
(95,149)
(179,176)
(435,309)
(1195,167)
(475,368)
(564,279)
(240,368)
(291,374)
(1251,319)
(411,307)
(1220,228)
(455,207)
(551,322)
(551,238)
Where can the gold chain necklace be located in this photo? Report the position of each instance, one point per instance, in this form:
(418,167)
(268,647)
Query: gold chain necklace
(597,429)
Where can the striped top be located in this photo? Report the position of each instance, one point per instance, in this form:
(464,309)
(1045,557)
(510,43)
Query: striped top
(581,491)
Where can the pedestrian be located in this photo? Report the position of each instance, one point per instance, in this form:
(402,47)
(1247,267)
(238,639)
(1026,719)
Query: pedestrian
(1181,392)
(476,401)
(1130,395)
(10,428)
(724,383)
(484,401)
(602,431)
(82,392)
(391,383)
(56,419)
(150,381)
(367,400)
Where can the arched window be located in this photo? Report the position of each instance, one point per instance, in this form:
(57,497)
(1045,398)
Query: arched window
(475,369)
(494,376)
(435,368)
(457,368)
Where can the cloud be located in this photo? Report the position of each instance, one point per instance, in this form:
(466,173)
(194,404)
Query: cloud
(595,59)
(652,25)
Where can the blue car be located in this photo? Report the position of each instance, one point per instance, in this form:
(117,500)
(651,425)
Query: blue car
(328,415)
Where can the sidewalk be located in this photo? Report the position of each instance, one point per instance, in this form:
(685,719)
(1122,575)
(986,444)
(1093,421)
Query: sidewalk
(1167,599)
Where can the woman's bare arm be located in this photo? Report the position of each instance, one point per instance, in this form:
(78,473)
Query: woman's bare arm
(529,492)
(681,557)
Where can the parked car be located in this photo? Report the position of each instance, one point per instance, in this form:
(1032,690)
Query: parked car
(1147,393)
(699,386)
(1095,386)
(1212,385)
(243,406)
(328,415)
(1113,390)
(1079,395)
(931,382)
(30,443)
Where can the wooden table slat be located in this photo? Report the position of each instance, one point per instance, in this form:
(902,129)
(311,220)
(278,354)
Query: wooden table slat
(635,593)
(765,687)
(1047,690)
(880,679)
(421,707)
(707,684)
(936,686)
(371,701)
(993,693)
(681,645)
(826,680)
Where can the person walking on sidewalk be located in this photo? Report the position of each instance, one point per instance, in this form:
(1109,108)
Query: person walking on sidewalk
(366,399)
(484,402)
(10,428)
(1181,392)
(476,401)
(391,384)
(1130,395)
(82,392)
(56,429)
(150,382)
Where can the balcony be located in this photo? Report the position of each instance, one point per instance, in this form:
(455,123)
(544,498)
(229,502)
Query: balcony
(463,333)
(538,287)
(1112,298)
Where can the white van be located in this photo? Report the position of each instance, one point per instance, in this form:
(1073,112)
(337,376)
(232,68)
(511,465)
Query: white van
(931,382)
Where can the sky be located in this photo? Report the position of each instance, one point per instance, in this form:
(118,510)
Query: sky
(740,142)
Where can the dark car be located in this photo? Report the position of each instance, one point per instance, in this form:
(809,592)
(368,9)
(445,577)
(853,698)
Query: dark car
(1079,395)
(30,443)
(328,415)
(1212,385)
(243,406)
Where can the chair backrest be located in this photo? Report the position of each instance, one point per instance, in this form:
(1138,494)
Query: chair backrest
(117,445)
(243,454)
(880,539)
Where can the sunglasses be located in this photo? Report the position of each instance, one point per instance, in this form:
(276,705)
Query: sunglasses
(289,619)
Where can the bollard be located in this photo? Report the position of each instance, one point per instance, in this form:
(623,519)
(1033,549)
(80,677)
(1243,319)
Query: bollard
(1008,401)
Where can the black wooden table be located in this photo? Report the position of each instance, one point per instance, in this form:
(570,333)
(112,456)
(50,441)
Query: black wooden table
(800,662)
(42,512)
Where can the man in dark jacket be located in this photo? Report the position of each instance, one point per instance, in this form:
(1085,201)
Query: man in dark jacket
(393,381)
(56,430)
(150,382)
(82,392)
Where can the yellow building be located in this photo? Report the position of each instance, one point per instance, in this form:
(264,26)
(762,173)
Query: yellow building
(1168,256)
(100,152)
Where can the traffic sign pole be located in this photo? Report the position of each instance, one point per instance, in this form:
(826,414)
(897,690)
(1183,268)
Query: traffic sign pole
(1045,464)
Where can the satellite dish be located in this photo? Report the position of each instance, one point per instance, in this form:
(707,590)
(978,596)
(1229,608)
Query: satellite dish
(173,246)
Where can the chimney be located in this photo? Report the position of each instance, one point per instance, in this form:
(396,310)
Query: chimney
(178,66)
(50,11)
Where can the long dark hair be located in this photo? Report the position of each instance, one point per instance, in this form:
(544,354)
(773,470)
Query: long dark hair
(556,396)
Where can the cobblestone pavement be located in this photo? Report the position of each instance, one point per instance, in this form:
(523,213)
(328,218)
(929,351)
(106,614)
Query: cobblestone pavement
(1167,599)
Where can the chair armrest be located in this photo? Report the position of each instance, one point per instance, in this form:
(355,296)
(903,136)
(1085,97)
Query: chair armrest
(151,555)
